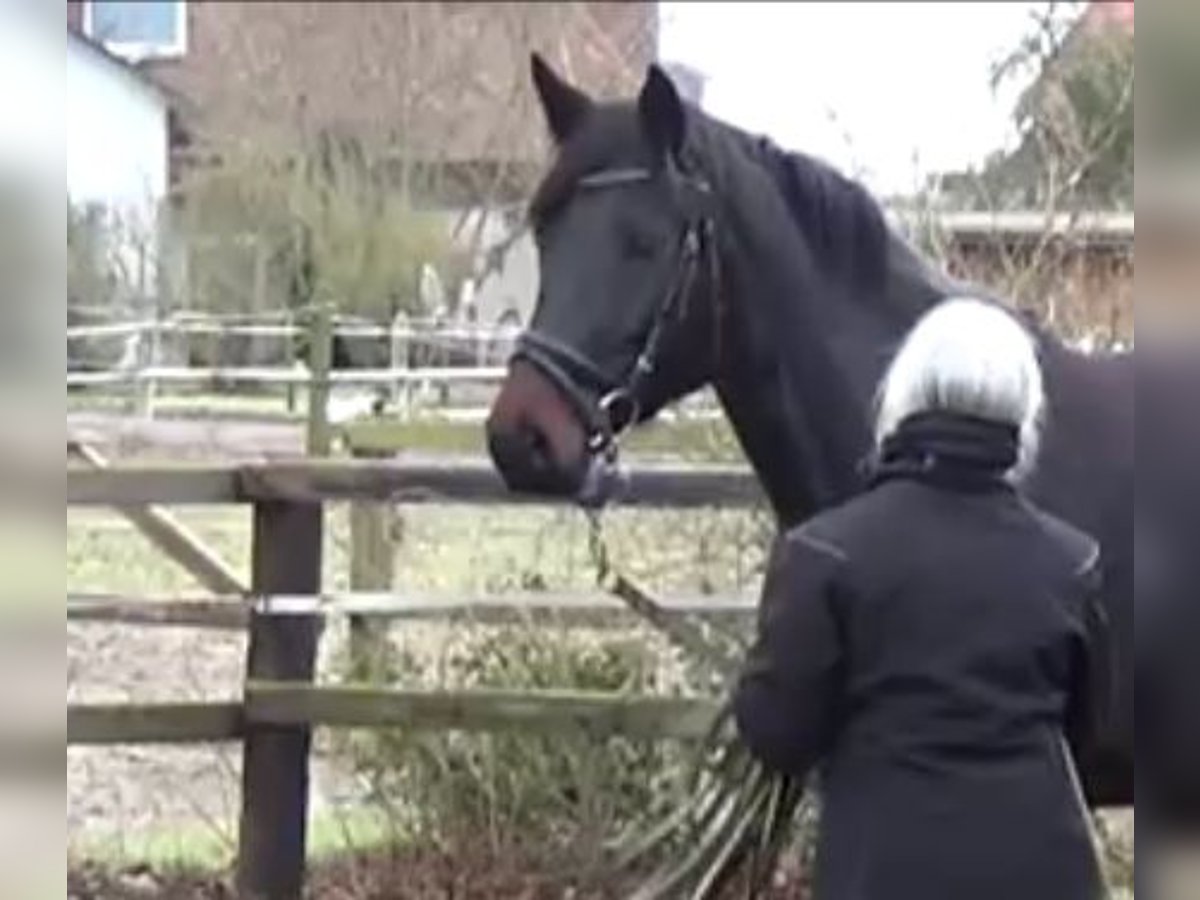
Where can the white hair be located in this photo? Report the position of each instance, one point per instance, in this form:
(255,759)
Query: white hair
(971,357)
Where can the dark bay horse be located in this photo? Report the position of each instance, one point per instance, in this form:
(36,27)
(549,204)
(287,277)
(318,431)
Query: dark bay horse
(678,252)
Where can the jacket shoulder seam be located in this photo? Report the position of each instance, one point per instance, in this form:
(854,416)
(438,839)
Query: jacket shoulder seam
(819,544)
(1090,559)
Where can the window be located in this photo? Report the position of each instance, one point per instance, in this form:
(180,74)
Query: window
(137,29)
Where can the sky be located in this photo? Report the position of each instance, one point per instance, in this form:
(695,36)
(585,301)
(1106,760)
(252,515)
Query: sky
(885,91)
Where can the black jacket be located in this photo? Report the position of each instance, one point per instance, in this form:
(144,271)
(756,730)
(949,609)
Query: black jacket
(930,644)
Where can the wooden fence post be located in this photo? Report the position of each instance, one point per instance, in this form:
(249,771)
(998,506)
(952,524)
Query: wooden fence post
(274,818)
(289,358)
(148,358)
(400,357)
(258,347)
(372,568)
(320,362)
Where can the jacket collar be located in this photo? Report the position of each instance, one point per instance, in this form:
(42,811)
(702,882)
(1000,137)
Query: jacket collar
(949,450)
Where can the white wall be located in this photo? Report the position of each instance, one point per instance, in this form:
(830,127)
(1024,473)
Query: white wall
(116,131)
(513,287)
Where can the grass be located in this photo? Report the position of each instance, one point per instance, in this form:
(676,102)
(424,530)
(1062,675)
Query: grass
(459,548)
(683,439)
(450,548)
(686,440)
(201,848)
(184,405)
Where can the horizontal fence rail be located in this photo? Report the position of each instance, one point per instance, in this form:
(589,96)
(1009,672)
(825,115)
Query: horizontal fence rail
(280,704)
(412,365)
(185,326)
(397,481)
(510,608)
(299,375)
(154,723)
(598,714)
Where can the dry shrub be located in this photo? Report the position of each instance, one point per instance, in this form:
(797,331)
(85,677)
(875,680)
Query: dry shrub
(555,801)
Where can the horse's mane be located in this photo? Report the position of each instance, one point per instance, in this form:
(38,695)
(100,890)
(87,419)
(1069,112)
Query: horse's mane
(837,217)
(846,230)
(840,221)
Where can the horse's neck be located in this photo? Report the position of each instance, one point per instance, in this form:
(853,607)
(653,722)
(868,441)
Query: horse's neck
(803,366)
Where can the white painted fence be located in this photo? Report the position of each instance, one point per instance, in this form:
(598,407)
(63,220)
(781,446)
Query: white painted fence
(139,367)
(405,383)
(410,388)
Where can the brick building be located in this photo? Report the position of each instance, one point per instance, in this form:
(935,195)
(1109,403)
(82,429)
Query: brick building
(443,83)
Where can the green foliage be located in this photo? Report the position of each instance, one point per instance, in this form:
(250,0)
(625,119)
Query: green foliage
(557,800)
(1076,121)
(1081,118)
(292,225)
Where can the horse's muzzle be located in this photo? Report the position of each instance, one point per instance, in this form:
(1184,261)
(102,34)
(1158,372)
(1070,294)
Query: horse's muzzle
(527,463)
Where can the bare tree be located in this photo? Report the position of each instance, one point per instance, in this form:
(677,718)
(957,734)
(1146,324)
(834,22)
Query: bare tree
(434,97)
(1073,168)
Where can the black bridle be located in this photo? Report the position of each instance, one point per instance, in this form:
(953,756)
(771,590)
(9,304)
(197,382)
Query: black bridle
(608,404)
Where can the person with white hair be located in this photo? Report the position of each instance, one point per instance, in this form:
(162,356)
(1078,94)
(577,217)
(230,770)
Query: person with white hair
(935,647)
(973,359)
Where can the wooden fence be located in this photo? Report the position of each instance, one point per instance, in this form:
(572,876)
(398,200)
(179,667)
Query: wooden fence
(140,374)
(284,612)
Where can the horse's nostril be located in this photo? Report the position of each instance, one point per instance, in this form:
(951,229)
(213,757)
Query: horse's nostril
(529,458)
(537,447)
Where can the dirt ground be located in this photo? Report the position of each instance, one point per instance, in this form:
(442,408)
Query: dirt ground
(235,439)
(423,875)
(134,790)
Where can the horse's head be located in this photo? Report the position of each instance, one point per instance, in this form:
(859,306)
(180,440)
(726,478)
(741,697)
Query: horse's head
(623,230)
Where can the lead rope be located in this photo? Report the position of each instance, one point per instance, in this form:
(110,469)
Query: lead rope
(684,635)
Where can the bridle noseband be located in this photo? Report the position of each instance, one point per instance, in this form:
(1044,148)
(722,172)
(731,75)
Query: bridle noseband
(621,397)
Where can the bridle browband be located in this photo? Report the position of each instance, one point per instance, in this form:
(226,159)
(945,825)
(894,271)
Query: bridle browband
(609,405)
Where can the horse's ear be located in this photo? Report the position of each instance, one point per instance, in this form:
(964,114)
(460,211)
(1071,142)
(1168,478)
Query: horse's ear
(563,104)
(662,112)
